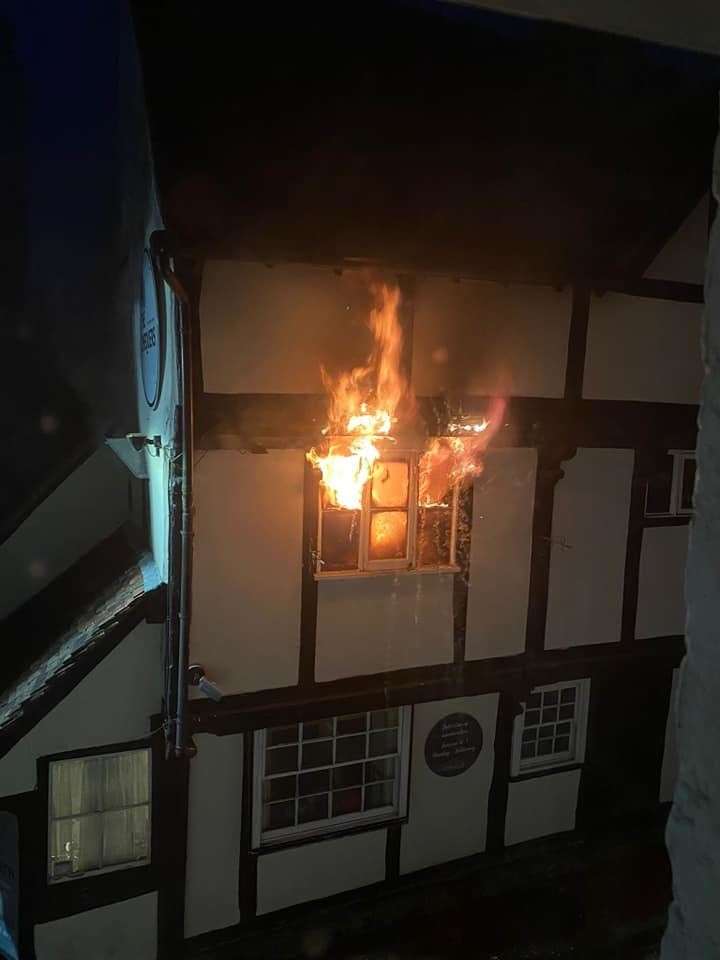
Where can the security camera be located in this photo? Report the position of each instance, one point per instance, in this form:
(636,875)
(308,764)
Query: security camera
(196,677)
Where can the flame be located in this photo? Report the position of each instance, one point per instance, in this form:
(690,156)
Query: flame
(453,460)
(362,407)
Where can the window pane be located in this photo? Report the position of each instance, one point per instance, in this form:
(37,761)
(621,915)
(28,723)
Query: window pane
(384,742)
(530,734)
(544,747)
(380,769)
(279,788)
(317,753)
(281,760)
(355,723)
(313,729)
(126,779)
(527,750)
(562,744)
(350,748)
(563,728)
(279,735)
(126,835)
(434,530)
(346,801)
(549,714)
(532,717)
(340,539)
(277,815)
(348,776)
(568,695)
(378,795)
(550,698)
(388,536)
(76,786)
(659,487)
(390,484)
(566,712)
(316,782)
(313,808)
(547,731)
(381,719)
(688,483)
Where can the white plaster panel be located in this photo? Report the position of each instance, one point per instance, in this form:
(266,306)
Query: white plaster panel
(247,568)
(541,806)
(125,929)
(683,256)
(669,771)
(489,339)
(88,506)
(112,704)
(372,624)
(500,548)
(661,587)
(268,330)
(213,856)
(589,544)
(316,870)
(643,349)
(448,815)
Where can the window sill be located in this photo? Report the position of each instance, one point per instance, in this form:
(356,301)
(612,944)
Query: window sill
(285,843)
(400,571)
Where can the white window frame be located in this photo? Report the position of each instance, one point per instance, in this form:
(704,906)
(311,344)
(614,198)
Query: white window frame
(407,564)
(332,825)
(111,868)
(680,457)
(576,753)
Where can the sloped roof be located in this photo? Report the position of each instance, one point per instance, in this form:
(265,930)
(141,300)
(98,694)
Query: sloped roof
(58,636)
(422,134)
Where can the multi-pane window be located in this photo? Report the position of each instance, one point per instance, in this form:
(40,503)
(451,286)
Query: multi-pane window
(550,731)
(396,528)
(99,813)
(319,776)
(669,490)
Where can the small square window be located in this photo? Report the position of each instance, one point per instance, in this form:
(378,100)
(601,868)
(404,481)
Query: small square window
(669,488)
(553,735)
(99,813)
(337,771)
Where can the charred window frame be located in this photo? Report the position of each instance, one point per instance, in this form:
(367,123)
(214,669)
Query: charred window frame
(669,489)
(392,531)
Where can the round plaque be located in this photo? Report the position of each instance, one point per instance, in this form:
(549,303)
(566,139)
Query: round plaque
(453,744)
(151,332)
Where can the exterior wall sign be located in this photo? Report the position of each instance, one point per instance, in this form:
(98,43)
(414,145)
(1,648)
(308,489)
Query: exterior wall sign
(453,744)
(151,331)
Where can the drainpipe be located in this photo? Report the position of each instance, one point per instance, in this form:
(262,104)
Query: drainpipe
(180,495)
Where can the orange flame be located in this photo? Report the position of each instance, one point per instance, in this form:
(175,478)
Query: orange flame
(362,409)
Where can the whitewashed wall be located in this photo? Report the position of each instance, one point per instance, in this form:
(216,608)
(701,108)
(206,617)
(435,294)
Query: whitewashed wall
(322,869)
(213,853)
(489,338)
(661,588)
(125,929)
(369,625)
(669,770)
(587,564)
(268,330)
(112,704)
(643,349)
(683,256)
(88,506)
(448,815)
(541,806)
(247,568)
(500,548)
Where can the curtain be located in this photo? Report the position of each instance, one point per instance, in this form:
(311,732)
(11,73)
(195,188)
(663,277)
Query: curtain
(100,811)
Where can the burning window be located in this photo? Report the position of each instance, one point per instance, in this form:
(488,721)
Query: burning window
(551,730)
(386,504)
(320,776)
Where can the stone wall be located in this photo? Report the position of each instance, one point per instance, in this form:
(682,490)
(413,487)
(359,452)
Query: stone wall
(693,833)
